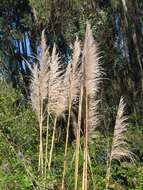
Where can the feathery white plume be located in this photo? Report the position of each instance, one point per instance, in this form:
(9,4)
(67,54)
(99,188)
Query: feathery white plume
(92,72)
(39,92)
(72,79)
(119,148)
(57,100)
(40,77)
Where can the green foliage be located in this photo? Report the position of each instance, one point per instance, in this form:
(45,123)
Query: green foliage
(19,152)
(135,133)
(17,139)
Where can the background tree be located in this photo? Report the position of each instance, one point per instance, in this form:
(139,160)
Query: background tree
(117,26)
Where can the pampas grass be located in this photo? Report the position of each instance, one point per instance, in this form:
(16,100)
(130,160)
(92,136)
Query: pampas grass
(57,98)
(92,77)
(39,91)
(92,72)
(72,81)
(74,88)
(119,150)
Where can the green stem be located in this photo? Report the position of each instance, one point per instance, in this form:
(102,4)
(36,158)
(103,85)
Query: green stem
(108,175)
(52,145)
(66,146)
(78,140)
(46,149)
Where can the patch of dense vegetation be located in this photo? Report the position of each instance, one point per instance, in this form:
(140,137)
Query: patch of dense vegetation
(19,151)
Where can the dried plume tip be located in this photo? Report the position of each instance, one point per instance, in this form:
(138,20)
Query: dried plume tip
(93,75)
(57,99)
(119,149)
(40,78)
